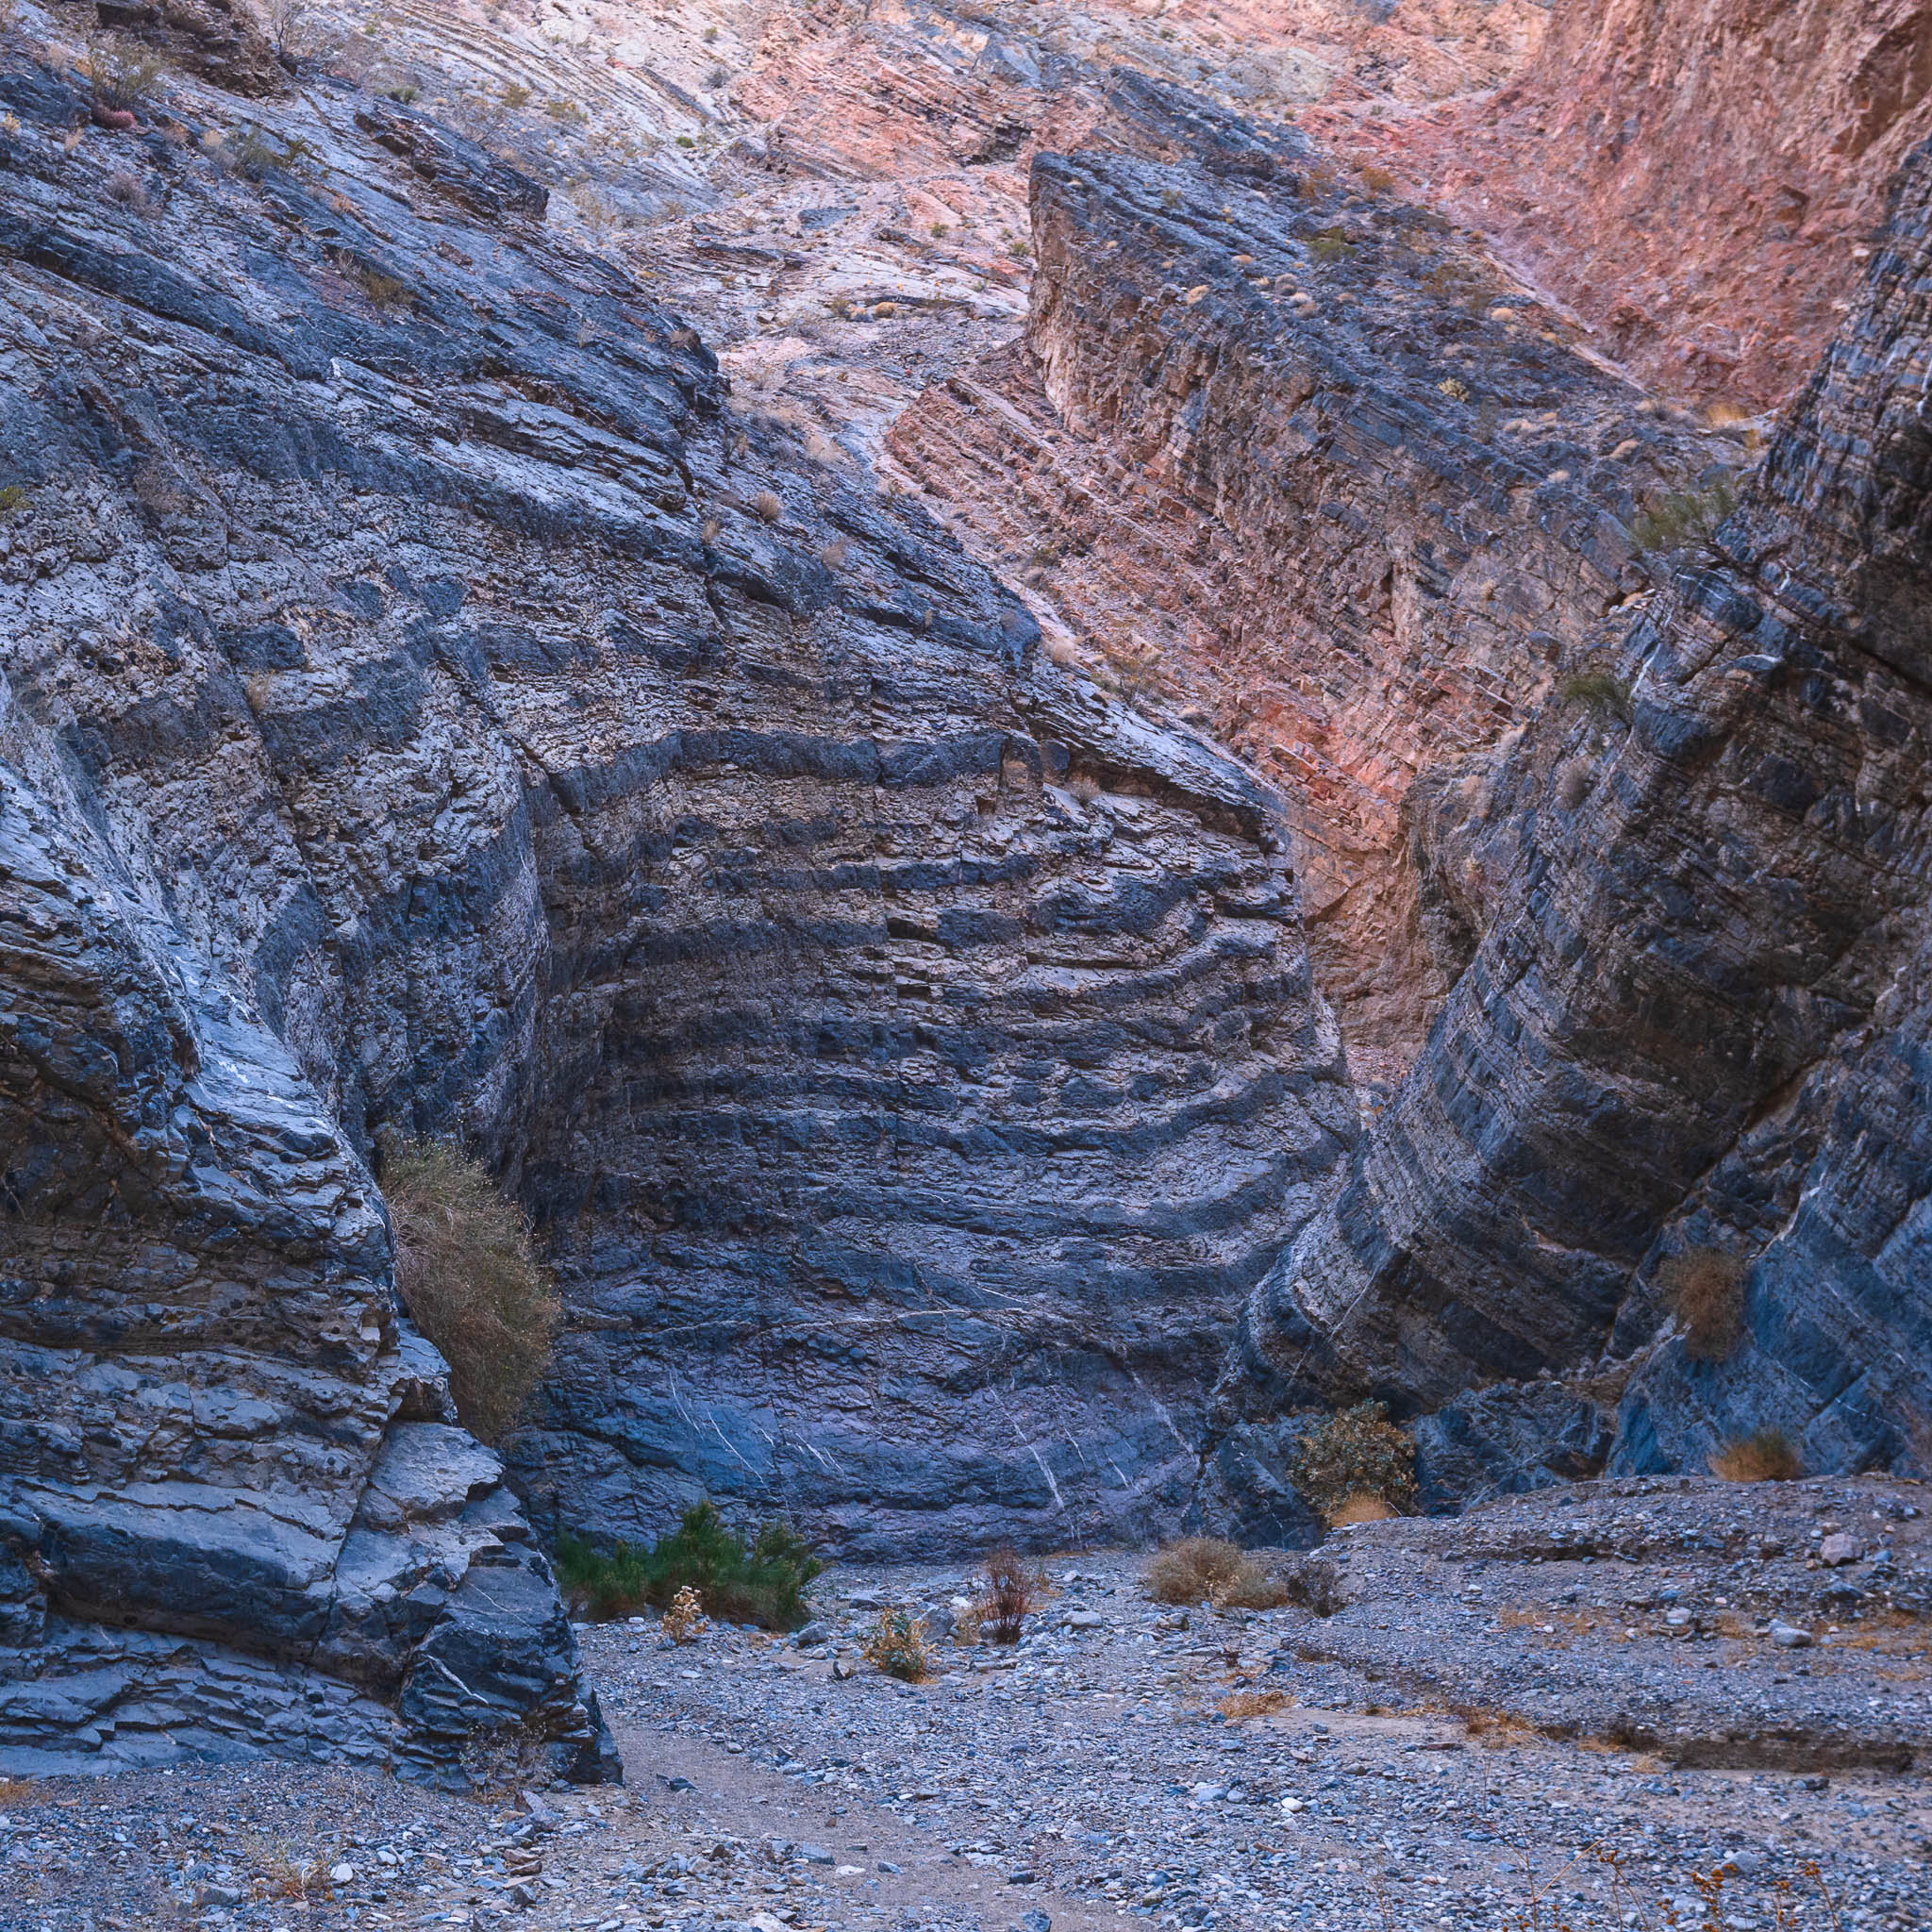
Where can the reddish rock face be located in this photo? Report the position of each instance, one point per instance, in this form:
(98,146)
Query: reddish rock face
(1698,177)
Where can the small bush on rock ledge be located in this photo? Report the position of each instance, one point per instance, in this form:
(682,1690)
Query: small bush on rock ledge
(472,1283)
(760,1583)
(1354,1460)
(1705,1290)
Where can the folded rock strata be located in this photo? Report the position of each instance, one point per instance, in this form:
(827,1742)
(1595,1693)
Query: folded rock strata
(1697,1027)
(1359,495)
(425,713)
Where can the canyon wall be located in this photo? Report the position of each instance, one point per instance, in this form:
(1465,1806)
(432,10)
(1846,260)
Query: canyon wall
(1697,179)
(428,712)
(1695,1032)
(1363,500)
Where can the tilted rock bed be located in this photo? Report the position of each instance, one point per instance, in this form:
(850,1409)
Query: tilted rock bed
(1135,1761)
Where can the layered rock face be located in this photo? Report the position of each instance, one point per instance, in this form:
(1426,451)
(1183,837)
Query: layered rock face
(1699,180)
(425,712)
(1363,501)
(1697,1028)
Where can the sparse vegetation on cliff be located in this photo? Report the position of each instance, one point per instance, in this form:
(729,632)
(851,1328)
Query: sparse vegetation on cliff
(1680,518)
(468,1277)
(1359,1455)
(762,1581)
(1705,1288)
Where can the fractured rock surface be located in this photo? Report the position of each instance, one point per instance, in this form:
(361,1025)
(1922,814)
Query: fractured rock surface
(1697,1025)
(424,714)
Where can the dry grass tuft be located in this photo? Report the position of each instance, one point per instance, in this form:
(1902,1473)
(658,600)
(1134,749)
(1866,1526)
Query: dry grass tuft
(1205,1569)
(16,1790)
(472,1282)
(1765,1455)
(1706,1289)
(768,504)
(1241,1704)
(1361,1508)
(1497,1729)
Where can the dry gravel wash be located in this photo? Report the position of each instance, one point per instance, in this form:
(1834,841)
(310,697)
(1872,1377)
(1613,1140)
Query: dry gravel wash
(1106,1773)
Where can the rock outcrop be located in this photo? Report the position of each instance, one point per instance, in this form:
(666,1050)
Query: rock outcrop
(1689,1059)
(428,712)
(1698,180)
(1363,500)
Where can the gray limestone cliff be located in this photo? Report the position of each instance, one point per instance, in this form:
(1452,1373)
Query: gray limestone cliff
(1695,1027)
(426,708)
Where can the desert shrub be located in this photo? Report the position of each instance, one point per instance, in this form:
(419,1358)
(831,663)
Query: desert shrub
(1009,1592)
(1705,1288)
(515,94)
(897,1645)
(1332,245)
(1574,778)
(472,1283)
(12,498)
(258,155)
(384,291)
(122,77)
(1598,690)
(685,1619)
(1203,1569)
(127,189)
(761,1582)
(1680,518)
(768,506)
(1377,180)
(498,1763)
(1357,1453)
(718,77)
(1765,1455)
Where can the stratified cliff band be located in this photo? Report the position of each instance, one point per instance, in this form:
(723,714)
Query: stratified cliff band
(425,715)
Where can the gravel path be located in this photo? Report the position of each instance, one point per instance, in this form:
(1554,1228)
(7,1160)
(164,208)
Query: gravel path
(1130,1763)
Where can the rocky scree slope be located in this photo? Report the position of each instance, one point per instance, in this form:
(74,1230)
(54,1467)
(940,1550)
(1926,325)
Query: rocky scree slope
(1697,1024)
(423,713)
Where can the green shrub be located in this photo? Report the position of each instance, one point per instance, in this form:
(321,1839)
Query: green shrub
(1359,1453)
(122,77)
(760,1583)
(12,498)
(897,1645)
(472,1283)
(1599,691)
(1683,517)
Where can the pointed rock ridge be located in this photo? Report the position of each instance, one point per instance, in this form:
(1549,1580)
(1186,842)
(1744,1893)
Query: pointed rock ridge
(1694,1047)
